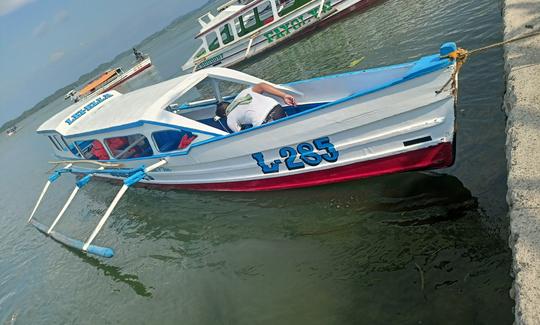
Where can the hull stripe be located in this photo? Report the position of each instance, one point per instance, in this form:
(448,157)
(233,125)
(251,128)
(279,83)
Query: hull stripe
(438,156)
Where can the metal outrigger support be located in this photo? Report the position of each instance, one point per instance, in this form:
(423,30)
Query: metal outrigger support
(51,180)
(83,181)
(133,176)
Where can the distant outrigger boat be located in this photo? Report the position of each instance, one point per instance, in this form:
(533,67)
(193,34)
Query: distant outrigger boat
(241,31)
(109,80)
(346,126)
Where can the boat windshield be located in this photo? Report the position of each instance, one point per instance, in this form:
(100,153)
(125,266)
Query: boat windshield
(204,94)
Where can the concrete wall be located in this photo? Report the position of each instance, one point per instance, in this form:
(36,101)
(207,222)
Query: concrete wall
(522,104)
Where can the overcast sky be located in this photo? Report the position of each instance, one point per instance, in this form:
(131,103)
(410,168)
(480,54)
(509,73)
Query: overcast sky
(47,44)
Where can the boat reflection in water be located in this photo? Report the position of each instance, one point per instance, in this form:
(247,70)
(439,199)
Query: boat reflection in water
(424,230)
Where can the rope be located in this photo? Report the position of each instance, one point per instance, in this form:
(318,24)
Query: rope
(461,55)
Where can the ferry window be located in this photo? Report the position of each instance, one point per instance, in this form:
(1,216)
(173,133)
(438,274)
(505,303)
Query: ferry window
(226,34)
(287,6)
(200,53)
(92,149)
(131,146)
(171,140)
(212,40)
(254,19)
(265,12)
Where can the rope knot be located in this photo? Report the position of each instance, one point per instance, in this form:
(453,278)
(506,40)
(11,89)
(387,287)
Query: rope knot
(459,55)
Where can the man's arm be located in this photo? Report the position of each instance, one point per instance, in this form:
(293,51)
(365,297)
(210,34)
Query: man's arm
(266,88)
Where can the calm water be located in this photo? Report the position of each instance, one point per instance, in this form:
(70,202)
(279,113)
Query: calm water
(424,248)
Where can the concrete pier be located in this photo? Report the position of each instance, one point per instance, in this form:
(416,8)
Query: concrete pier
(522,105)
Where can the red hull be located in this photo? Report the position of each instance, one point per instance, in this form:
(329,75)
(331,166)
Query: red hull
(439,156)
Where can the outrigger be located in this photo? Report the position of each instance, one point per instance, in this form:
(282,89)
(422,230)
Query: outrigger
(240,31)
(346,126)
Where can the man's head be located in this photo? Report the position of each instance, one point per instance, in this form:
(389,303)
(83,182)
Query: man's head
(221,109)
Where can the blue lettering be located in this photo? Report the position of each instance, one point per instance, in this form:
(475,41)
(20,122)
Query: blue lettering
(307,154)
(87,108)
(273,168)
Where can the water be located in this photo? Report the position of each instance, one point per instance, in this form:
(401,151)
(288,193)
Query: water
(426,247)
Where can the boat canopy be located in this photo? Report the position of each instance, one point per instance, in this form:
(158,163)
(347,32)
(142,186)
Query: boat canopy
(113,110)
(103,78)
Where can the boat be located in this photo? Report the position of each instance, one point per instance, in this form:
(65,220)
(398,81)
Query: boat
(110,79)
(11,131)
(343,127)
(241,30)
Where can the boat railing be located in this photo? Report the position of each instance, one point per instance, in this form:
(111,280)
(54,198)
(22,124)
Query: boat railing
(208,16)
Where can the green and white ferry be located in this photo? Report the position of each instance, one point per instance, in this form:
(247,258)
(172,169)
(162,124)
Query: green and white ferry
(240,31)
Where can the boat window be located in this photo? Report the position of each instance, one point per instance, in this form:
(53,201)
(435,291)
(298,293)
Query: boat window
(203,95)
(70,146)
(226,34)
(60,144)
(171,140)
(54,143)
(287,6)
(92,149)
(200,53)
(213,43)
(131,146)
(254,19)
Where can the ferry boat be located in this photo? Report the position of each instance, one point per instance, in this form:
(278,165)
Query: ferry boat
(346,126)
(240,31)
(109,79)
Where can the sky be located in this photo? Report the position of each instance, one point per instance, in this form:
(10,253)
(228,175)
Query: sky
(48,44)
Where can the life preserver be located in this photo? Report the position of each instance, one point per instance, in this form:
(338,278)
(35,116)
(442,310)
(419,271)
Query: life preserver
(99,151)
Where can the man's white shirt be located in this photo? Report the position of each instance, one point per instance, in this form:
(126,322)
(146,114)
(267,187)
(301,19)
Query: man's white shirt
(249,107)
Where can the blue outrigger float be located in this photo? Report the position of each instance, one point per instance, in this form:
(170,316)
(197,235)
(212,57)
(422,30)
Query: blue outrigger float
(346,126)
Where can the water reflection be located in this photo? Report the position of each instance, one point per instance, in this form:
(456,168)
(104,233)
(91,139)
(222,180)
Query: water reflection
(417,237)
(113,272)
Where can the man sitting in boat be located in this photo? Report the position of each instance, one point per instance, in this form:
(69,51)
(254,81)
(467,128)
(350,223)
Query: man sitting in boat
(252,108)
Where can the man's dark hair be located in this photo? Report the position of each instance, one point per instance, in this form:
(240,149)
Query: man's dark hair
(221,108)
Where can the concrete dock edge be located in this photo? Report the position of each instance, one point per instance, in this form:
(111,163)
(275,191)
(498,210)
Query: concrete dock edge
(522,105)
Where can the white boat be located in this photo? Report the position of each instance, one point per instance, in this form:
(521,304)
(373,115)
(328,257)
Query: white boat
(346,126)
(11,131)
(108,80)
(240,31)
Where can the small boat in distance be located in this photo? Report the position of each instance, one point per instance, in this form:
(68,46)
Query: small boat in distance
(110,79)
(11,131)
(343,127)
(241,30)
